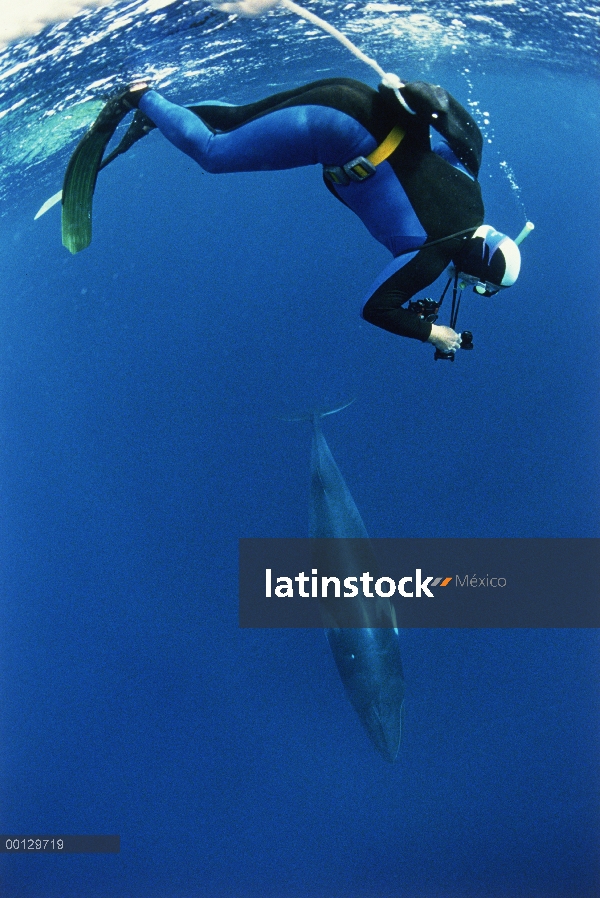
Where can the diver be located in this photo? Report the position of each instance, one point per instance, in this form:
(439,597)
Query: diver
(404,161)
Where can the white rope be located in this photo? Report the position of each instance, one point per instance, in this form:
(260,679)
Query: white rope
(388,79)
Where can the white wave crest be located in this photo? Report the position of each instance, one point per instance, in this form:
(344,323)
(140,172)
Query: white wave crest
(247,7)
(22,19)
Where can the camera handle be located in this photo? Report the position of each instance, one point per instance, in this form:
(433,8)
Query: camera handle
(466,342)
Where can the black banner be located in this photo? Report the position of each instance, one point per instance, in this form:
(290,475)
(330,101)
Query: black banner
(52,844)
(419,583)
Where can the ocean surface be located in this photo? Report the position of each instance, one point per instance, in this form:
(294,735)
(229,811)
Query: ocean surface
(143,384)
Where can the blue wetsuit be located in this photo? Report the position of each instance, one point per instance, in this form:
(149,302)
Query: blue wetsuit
(420,194)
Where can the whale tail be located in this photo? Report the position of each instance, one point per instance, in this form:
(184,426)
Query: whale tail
(321,412)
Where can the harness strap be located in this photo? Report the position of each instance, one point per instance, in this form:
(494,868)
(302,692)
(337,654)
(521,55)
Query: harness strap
(387,146)
(415,249)
(364,167)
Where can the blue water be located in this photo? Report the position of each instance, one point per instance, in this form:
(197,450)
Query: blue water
(142,386)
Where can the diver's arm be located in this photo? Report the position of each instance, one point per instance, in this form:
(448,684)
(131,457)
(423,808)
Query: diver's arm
(384,306)
(384,312)
(384,309)
(442,112)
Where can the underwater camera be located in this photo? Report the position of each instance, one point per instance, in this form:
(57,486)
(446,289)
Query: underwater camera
(466,342)
(428,310)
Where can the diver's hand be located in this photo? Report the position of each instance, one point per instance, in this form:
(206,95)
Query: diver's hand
(444,338)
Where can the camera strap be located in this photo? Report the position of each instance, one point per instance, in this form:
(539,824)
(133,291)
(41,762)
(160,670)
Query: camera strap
(456,297)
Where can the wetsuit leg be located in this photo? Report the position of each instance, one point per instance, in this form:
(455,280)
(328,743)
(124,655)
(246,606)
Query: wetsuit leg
(284,138)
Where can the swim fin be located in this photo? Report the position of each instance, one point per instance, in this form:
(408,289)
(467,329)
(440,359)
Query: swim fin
(140,126)
(82,172)
(85,163)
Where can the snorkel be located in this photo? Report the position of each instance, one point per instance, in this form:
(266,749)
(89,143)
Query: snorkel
(529,226)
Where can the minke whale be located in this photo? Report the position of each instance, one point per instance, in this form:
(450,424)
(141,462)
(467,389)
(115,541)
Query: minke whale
(367,658)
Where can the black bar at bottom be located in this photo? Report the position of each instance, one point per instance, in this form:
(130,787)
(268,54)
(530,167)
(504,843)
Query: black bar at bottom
(19,844)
